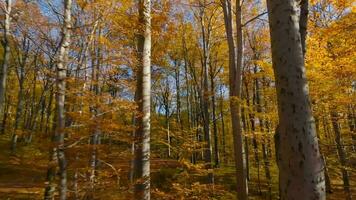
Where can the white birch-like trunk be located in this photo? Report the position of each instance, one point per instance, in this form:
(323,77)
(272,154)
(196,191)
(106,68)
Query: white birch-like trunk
(142,136)
(6,57)
(60,98)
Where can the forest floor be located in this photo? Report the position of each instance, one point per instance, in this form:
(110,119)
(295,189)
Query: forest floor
(22,177)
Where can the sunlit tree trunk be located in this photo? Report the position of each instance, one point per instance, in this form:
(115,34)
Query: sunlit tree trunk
(142,141)
(6,57)
(235,93)
(61,76)
(300,165)
(60,98)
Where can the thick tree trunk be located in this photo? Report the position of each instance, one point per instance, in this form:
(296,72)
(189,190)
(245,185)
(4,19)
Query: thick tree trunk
(300,165)
(142,141)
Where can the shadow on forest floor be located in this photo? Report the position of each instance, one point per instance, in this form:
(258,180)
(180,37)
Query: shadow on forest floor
(22,177)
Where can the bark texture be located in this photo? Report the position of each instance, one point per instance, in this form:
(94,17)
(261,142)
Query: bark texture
(235,94)
(142,140)
(6,57)
(60,99)
(301,168)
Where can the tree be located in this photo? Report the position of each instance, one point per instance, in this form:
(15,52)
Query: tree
(6,56)
(143,99)
(58,153)
(60,98)
(300,165)
(235,93)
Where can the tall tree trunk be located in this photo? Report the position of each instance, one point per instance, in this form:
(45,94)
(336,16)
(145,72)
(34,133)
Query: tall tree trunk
(251,117)
(142,146)
(6,58)
(235,94)
(260,110)
(352,125)
(95,137)
(303,22)
(18,116)
(51,174)
(301,168)
(60,98)
(177,80)
(223,142)
(205,31)
(341,153)
(246,145)
(328,187)
(22,58)
(215,128)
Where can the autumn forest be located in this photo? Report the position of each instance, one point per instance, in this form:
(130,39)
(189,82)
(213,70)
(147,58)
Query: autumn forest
(177,99)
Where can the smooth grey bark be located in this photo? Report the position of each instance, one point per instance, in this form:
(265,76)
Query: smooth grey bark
(341,153)
(6,57)
(235,94)
(301,168)
(142,141)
